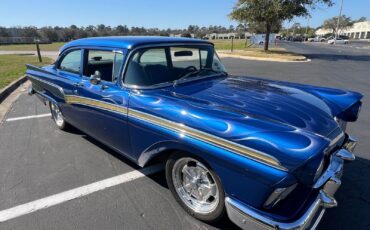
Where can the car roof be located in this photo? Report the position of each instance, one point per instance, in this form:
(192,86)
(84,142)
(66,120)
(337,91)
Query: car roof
(130,42)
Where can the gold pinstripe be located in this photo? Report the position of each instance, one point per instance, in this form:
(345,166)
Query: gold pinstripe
(95,103)
(182,129)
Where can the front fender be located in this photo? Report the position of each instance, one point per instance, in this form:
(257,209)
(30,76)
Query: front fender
(242,177)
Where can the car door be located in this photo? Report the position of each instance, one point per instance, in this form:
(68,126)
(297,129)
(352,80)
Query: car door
(102,105)
(68,70)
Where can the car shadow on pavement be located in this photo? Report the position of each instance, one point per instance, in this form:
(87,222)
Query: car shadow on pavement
(338,57)
(102,146)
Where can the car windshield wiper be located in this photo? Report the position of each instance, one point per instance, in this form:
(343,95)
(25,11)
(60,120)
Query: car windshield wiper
(197,72)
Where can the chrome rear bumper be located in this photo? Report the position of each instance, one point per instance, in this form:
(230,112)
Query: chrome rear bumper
(329,182)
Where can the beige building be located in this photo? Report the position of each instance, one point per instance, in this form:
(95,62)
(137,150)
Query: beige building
(359,30)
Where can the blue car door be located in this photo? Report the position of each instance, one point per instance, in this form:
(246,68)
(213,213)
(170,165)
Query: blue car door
(68,75)
(101,105)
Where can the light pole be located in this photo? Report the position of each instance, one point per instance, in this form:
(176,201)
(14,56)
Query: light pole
(340,15)
(305,36)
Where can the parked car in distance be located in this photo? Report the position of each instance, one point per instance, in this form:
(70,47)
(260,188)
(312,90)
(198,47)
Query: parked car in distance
(340,40)
(266,153)
(311,39)
(320,39)
(317,39)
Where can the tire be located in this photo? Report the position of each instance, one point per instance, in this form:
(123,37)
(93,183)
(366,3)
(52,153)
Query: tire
(207,205)
(57,117)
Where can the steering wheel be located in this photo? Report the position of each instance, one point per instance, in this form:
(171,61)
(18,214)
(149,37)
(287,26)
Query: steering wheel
(188,70)
(193,68)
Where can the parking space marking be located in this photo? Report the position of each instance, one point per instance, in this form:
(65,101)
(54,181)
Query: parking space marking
(85,190)
(28,117)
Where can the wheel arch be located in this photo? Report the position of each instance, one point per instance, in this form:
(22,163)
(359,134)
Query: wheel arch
(159,152)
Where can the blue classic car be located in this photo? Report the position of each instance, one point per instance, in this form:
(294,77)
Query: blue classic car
(266,153)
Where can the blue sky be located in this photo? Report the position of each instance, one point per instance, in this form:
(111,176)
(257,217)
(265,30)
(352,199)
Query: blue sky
(146,13)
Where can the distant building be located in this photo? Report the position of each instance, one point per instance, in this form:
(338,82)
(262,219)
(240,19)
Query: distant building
(359,30)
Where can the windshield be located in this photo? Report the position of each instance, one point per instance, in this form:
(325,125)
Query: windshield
(158,65)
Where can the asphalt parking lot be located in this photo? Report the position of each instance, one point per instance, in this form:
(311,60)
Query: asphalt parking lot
(38,161)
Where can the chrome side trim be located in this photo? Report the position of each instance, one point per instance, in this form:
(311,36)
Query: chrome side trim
(71,99)
(211,139)
(181,129)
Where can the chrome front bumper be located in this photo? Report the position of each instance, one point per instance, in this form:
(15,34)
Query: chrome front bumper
(248,218)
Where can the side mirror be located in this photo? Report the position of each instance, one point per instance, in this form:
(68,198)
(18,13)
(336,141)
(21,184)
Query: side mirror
(95,78)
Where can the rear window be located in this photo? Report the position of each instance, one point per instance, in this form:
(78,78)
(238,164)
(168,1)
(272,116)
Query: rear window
(185,57)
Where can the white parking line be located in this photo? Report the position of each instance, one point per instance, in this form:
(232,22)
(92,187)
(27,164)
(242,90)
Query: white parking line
(28,117)
(85,190)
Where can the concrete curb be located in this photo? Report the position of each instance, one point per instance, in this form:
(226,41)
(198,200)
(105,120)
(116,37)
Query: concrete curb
(261,58)
(11,87)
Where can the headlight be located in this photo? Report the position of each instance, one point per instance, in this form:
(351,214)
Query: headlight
(278,195)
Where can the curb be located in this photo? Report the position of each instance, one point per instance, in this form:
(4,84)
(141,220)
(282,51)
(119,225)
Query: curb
(11,87)
(262,59)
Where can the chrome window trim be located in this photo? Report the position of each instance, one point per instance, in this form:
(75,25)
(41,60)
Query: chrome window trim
(165,84)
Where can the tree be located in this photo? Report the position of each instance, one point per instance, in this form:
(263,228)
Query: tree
(331,23)
(362,19)
(186,35)
(30,32)
(122,30)
(3,32)
(49,34)
(259,27)
(272,12)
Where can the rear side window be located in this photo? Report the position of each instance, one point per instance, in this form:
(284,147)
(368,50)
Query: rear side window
(71,62)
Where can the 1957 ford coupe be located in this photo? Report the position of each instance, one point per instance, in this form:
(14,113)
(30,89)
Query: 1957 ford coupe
(266,153)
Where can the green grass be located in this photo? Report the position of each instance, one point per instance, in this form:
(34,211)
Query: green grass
(226,44)
(32,47)
(13,66)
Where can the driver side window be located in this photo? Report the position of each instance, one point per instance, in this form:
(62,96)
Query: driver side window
(148,67)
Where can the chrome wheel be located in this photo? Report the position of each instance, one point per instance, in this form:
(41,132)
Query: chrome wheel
(195,185)
(57,115)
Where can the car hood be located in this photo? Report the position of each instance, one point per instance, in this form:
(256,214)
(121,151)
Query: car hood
(290,122)
(278,102)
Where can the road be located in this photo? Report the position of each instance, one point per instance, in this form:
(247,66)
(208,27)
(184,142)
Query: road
(37,160)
